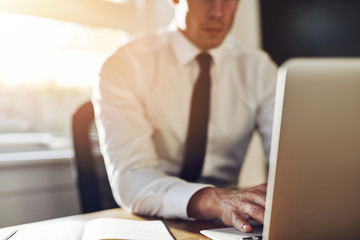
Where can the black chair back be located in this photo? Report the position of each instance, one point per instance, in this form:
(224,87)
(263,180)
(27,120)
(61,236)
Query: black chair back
(92,181)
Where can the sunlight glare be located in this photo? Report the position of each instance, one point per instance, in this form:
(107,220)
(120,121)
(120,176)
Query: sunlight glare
(34,49)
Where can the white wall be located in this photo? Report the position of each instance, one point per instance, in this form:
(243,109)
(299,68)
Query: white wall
(247,23)
(247,28)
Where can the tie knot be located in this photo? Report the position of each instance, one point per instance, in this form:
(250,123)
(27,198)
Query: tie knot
(204,60)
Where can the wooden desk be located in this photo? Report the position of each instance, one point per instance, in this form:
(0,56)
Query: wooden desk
(180,229)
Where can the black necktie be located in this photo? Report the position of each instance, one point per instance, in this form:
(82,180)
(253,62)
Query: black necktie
(195,146)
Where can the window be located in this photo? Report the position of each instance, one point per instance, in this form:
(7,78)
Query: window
(47,68)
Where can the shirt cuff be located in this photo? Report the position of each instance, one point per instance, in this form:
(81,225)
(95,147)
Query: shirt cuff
(178,197)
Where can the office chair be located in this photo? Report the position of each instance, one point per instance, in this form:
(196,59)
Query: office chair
(92,181)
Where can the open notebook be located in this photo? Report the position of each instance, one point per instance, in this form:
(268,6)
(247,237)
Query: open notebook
(101,228)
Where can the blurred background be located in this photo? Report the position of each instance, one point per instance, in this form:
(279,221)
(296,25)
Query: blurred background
(50,55)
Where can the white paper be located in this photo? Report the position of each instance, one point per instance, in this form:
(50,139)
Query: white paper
(230,233)
(6,232)
(69,230)
(113,228)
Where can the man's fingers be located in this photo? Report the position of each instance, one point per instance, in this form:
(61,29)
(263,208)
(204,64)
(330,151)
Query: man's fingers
(257,198)
(255,211)
(239,223)
(238,206)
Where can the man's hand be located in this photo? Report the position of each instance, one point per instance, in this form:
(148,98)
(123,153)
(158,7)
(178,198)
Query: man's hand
(232,207)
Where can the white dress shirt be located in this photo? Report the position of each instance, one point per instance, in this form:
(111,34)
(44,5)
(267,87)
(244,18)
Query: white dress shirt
(142,104)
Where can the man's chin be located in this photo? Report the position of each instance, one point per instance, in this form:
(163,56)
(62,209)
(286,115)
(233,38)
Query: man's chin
(212,44)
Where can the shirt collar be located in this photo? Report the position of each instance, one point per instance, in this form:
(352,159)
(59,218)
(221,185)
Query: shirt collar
(188,51)
(219,53)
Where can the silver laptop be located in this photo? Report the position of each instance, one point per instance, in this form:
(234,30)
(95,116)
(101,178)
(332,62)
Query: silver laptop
(314,176)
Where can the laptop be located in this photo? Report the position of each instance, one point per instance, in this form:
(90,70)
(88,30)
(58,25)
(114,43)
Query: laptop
(314,176)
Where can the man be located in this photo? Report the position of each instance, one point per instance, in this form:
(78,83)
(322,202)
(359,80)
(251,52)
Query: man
(143,103)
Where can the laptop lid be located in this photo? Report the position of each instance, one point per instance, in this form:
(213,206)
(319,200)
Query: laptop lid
(314,176)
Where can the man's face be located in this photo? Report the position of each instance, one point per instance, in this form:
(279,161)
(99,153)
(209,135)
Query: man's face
(206,22)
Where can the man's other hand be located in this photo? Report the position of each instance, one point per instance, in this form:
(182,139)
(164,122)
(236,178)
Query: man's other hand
(232,207)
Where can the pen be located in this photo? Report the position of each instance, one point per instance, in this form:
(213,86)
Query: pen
(10,235)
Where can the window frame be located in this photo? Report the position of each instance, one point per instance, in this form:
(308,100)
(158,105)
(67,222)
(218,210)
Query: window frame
(102,13)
